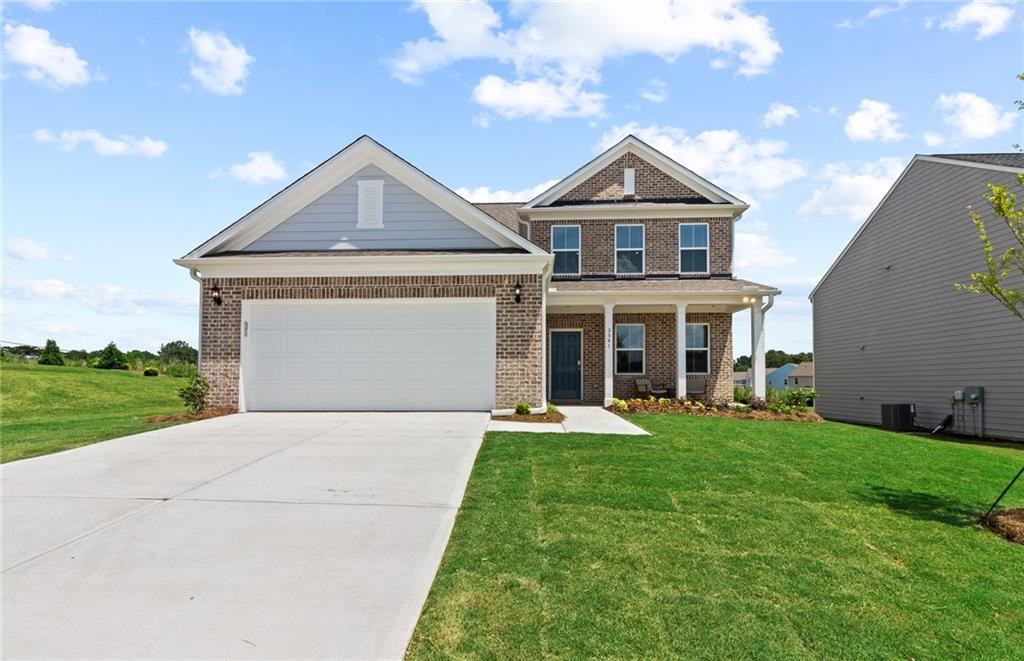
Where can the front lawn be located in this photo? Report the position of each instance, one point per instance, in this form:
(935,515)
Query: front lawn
(722,538)
(45,408)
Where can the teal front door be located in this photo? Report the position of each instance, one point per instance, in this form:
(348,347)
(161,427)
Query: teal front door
(566,355)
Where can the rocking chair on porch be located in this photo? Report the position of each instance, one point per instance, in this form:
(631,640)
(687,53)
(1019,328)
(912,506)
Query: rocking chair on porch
(644,387)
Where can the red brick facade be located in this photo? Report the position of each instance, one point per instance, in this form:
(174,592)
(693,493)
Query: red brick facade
(661,238)
(651,183)
(519,358)
(660,352)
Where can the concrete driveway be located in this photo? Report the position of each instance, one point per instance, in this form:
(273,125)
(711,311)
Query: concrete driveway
(298,535)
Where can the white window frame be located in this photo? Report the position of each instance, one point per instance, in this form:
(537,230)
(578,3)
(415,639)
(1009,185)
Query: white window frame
(642,350)
(687,349)
(643,248)
(578,250)
(373,187)
(680,249)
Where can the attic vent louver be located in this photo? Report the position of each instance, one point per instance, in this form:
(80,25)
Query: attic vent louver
(629,181)
(370,208)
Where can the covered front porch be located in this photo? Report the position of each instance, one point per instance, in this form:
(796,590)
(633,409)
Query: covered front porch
(605,344)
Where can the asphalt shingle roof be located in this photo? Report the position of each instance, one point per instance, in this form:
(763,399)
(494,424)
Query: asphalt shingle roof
(711,285)
(503,212)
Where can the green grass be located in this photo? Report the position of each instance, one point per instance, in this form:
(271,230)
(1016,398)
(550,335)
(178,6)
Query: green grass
(721,538)
(46,409)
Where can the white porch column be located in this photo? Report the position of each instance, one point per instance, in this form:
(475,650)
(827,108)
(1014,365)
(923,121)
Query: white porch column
(757,350)
(681,350)
(609,352)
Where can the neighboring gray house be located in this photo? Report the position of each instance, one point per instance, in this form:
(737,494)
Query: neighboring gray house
(802,376)
(889,327)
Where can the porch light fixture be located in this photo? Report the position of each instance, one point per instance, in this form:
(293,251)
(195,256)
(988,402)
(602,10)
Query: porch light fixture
(215,295)
(518,291)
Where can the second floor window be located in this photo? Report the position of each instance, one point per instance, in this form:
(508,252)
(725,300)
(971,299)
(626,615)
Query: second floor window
(693,248)
(565,243)
(629,249)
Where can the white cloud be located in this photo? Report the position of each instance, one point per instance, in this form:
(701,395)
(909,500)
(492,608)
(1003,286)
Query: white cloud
(220,66)
(990,17)
(778,113)
(260,168)
(755,248)
(933,139)
(656,91)
(42,60)
(541,98)
(485,194)
(103,299)
(852,193)
(725,157)
(719,63)
(29,250)
(845,24)
(40,5)
(881,10)
(874,120)
(122,145)
(483,120)
(557,49)
(974,116)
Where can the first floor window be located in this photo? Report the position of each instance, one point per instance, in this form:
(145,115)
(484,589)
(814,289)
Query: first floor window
(629,249)
(698,353)
(693,248)
(565,243)
(629,348)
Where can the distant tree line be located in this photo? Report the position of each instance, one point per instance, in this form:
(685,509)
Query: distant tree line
(176,358)
(774,358)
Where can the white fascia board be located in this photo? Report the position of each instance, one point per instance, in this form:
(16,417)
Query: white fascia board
(367,265)
(970,164)
(634,211)
(870,217)
(648,153)
(652,298)
(364,151)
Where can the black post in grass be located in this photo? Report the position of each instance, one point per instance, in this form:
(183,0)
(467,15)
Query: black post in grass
(1008,486)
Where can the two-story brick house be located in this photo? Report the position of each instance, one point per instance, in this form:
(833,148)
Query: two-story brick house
(368,285)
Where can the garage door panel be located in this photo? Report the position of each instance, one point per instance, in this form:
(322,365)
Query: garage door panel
(436,354)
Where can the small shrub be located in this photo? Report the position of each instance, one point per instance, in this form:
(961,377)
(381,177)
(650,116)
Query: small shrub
(799,397)
(741,394)
(522,408)
(552,408)
(151,371)
(194,392)
(756,403)
(111,358)
(50,355)
(773,394)
(620,405)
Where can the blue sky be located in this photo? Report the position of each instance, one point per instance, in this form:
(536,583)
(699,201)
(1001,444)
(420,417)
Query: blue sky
(132,132)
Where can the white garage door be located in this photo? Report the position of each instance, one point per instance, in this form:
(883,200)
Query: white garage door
(384,355)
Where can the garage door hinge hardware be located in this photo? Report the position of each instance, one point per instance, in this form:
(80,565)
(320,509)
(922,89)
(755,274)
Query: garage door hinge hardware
(245,329)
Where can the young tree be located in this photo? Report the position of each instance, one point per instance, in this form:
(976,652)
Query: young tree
(111,358)
(994,280)
(50,355)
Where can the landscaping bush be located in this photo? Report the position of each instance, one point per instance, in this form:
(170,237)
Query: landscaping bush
(756,403)
(194,392)
(111,358)
(798,397)
(552,408)
(50,355)
(741,394)
(522,408)
(151,371)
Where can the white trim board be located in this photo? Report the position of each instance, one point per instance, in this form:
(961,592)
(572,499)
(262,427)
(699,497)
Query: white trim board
(633,144)
(347,162)
(368,265)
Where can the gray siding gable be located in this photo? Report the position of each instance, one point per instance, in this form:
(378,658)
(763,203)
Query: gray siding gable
(889,327)
(411,222)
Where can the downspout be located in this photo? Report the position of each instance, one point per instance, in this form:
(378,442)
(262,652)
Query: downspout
(194,274)
(771,302)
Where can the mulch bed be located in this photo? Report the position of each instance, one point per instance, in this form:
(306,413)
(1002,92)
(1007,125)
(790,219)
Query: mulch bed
(212,412)
(539,417)
(1008,523)
(689,408)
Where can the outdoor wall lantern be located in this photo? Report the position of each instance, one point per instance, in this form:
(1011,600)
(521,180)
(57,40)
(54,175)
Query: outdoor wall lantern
(518,292)
(215,294)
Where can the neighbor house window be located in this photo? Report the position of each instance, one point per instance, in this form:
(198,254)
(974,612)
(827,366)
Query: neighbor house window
(629,249)
(698,353)
(693,248)
(565,243)
(629,348)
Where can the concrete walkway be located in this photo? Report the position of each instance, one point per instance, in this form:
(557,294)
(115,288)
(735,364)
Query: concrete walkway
(284,535)
(578,420)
